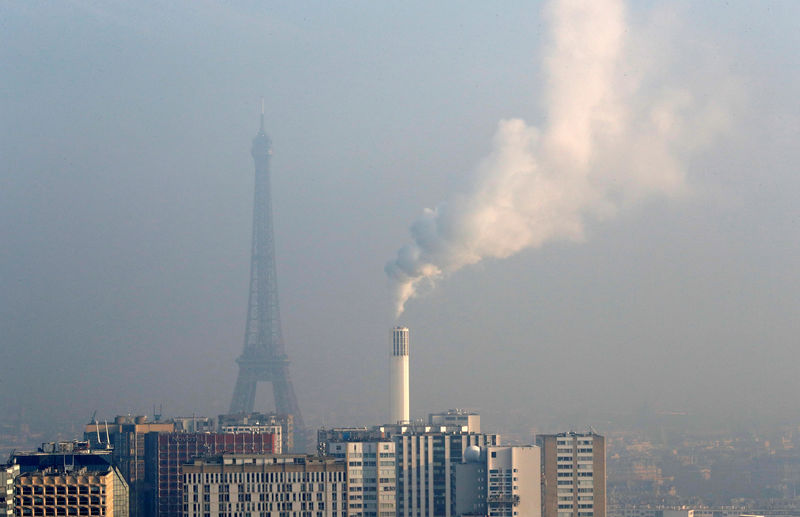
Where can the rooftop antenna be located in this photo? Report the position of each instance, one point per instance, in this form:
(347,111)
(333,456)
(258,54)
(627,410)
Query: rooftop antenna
(262,114)
(96,427)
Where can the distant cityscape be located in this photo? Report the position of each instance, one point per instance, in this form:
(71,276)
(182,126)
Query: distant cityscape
(249,464)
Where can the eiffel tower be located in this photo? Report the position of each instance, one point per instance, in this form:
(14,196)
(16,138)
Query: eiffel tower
(264,358)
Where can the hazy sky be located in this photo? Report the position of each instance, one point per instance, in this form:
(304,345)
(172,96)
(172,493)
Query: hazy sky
(126,201)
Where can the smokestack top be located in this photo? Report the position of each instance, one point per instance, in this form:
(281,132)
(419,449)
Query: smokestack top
(400,341)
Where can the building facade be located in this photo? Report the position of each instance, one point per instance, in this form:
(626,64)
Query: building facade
(574,475)
(261,485)
(8,473)
(371,477)
(167,452)
(499,481)
(426,459)
(67,492)
(513,481)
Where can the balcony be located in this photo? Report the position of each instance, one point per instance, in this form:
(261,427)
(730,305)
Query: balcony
(503,499)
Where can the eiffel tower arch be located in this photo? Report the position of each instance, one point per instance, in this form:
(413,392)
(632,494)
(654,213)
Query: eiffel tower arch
(264,356)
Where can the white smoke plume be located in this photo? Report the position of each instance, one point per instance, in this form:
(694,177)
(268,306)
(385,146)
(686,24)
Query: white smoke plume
(613,135)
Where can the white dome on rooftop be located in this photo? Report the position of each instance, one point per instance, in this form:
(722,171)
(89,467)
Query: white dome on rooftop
(472,454)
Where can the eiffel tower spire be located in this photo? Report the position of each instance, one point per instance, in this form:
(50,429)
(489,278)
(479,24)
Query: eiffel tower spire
(264,358)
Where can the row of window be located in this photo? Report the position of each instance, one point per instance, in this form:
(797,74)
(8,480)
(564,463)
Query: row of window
(55,511)
(238,477)
(59,500)
(266,514)
(289,488)
(259,507)
(569,489)
(62,489)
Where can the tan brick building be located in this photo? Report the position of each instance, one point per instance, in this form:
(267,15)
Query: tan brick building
(573,474)
(81,492)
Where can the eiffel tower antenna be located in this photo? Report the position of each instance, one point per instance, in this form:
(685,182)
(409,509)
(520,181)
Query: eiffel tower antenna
(262,116)
(264,357)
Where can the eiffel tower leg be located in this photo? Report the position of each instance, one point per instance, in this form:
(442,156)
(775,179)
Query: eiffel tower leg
(285,401)
(244,394)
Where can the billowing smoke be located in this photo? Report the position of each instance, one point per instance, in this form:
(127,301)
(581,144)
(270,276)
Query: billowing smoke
(614,134)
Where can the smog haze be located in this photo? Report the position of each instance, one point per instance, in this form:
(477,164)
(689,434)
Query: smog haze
(669,278)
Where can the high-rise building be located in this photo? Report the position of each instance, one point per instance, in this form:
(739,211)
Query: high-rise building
(371,476)
(398,377)
(7,475)
(167,452)
(499,481)
(264,356)
(263,484)
(260,423)
(69,478)
(126,436)
(574,474)
(63,491)
(426,460)
(369,453)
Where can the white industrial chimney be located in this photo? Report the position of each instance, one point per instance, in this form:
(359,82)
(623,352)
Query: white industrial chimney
(398,377)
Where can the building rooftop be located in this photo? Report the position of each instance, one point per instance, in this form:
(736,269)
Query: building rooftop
(60,471)
(264,459)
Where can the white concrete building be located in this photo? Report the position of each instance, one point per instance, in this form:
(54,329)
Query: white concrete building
(499,482)
(399,406)
(514,481)
(371,478)
(426,460)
